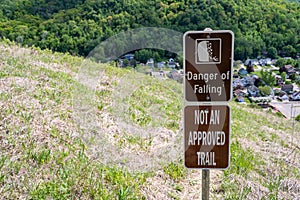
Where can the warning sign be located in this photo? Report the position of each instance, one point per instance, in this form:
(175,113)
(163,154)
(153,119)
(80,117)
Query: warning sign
(206,136)
(208,61)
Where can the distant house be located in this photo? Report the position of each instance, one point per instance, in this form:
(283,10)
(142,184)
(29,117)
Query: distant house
(247,81)
(161,65)
(150,63)
(174,74)
(159,75)
(283,96)
(253,91)
(266,61)
(238,63)
(273,61)
(251,62)
(254,77)
(128,56)
(288,69)
(240,99)
(242,72)
(295,96)
(171,63)
(279,80)
(288,88)
(237,83)
(240,93)
(261,100)
(247,62)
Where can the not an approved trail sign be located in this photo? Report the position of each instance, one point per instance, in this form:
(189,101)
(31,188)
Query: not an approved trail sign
(206,139)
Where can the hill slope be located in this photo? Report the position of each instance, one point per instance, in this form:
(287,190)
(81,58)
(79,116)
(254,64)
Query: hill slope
(45,153)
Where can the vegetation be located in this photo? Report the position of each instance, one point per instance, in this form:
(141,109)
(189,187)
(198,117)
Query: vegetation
(265,90)
(77,26)
(267,78)
(42,158)
(281,62)
(283,76)
(297,118)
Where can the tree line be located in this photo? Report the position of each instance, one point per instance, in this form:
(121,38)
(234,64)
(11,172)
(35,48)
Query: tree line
(268,28)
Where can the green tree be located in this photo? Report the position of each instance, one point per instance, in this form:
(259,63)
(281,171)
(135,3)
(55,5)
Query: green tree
(272,52)
(293,77)
(133,63)
(142,55)
(283,76)
(289,50)
(280,62)
(297,118)
(125,62)
(267,78)
(291,62)
(87,23)
(297,65)
(265,90)
(156,56)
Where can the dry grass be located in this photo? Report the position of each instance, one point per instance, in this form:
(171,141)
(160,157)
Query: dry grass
(135,148)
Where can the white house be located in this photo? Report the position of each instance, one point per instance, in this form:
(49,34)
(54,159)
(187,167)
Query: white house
(295,96)
(161,65)
(171,63)
(150,62)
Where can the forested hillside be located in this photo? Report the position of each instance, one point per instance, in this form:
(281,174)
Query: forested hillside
(77,26)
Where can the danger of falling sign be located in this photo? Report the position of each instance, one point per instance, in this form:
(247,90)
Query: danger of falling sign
(208,60)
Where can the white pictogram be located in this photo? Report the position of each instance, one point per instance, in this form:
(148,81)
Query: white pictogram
(208,51)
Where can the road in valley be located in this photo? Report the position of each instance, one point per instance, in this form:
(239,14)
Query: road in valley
(288,109)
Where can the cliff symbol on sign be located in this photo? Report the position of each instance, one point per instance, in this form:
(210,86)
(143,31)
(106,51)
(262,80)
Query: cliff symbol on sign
(208,51)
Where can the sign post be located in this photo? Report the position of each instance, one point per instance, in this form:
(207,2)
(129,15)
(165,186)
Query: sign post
(205,184)
(208,61)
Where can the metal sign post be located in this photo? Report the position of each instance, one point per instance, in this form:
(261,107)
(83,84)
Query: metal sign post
(205,184)
(208,62)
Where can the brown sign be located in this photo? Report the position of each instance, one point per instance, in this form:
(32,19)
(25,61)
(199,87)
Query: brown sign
(206,136)
(208,60)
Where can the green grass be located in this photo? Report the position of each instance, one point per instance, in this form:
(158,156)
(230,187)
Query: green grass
(175,170)
(41,159)
(154,104)
(242,163)
(49,161)
(86,179)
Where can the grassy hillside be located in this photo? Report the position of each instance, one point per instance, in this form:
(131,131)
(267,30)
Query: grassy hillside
(45,153)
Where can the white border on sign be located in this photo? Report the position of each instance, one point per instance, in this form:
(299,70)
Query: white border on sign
(211,103)
(184,68)
(229,141)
